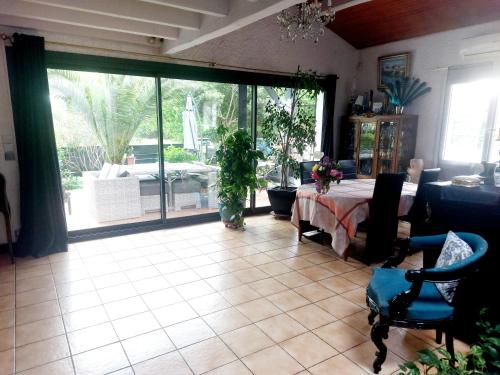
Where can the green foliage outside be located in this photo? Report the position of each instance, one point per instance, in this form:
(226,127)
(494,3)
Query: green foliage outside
(237,161)
(484,357)
(69,180)
(174,154)
(291,128)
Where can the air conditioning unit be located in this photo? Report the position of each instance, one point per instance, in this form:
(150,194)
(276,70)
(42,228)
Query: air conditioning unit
(484,46)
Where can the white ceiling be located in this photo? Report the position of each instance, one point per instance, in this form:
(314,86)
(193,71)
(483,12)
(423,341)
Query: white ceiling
(181,24)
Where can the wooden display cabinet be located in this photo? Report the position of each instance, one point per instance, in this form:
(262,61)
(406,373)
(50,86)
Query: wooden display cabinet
(379,144)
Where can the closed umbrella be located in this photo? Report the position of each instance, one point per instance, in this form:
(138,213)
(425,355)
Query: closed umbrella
(189,125)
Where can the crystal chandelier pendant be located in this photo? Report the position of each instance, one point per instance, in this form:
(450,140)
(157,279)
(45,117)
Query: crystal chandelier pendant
(306,20)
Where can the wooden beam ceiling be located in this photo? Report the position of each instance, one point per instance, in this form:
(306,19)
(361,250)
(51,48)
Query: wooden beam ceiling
(383,21)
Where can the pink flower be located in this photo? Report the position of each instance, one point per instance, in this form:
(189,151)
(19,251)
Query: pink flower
(334,173)
(340,175)
(315,175)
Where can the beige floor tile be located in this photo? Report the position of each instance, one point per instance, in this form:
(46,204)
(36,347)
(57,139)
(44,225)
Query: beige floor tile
(150,285)
(258,259)
(74,287)
(167,364)
(161,298)
(308,349)
(311,316)
(79,302)
(250,275)
(288,300)
(33,297)
(274,268)
(405,345)
(268,286)
(318,258)
(281,327)
(234,265)
(171,267)
(247,340)
(240,294)
(117,292)
(273,360)
(359,277)
(198,261)
(41,352)
(34,271)
(194,289)
(258,309)
(226,320)
(176,313)
(135,325)
(359,321)
(315,273)
(207,355)
(7,288)
(7,362)
(223,282)
(189,332)
(7,318)
(233,368)
(293,279)
(7,302)
(338,267)
(337,365)
(61,367)
(7,338)
(338,284)
(357,296)
(91,338)
(209,303)
(222,256)
(125,307)
(364,355)
(296,263)
(101,360)
(39,330)
(107,281)
(340,336)
(182,277)
(37,282)
(339,307)
(85,318)
(314,292)
(148,345)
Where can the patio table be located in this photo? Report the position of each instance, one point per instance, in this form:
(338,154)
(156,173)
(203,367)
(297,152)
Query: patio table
(339,211)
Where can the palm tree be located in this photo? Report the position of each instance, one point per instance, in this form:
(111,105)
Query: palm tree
(113,105)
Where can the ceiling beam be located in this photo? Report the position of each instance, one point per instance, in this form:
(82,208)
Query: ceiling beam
(241,14)
(76,18)
(131,9)
(81,31)
(217,8)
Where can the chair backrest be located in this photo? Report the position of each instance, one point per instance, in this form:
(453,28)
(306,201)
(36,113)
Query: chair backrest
(383,215)
(418,211)
(305,172)
(348,169)
(4,203)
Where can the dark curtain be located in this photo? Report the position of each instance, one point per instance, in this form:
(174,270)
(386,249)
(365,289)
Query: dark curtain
(43,223)
(327,142)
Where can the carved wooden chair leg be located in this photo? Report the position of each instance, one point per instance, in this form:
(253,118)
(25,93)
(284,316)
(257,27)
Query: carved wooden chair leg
(379,332)
(439,335)
(449,341)
(371,316)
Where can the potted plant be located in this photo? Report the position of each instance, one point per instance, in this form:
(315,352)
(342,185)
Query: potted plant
(130,156)
(237,160)
(289,127)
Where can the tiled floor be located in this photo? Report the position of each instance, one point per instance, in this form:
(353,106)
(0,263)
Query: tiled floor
(201,299)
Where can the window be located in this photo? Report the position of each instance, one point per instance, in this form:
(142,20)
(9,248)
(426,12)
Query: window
(471,126)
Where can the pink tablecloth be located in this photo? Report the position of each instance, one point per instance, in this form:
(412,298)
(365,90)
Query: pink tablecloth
(341,210)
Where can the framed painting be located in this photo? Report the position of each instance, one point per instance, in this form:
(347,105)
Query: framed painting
(391,67)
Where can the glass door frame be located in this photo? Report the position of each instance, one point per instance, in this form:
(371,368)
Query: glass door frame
(159,70)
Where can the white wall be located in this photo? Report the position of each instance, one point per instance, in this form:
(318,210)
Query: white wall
(432,55)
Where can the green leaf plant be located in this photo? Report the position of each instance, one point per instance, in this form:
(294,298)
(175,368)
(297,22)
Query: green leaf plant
(237,160)
(289,124)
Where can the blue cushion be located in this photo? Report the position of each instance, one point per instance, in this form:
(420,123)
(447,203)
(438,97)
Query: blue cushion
(386,283)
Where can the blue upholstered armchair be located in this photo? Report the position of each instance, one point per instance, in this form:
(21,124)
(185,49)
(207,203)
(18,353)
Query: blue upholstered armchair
(410,298)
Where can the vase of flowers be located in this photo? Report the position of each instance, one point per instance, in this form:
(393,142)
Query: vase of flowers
(325,172)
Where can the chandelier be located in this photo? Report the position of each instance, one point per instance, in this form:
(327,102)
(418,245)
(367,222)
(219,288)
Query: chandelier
(306,20)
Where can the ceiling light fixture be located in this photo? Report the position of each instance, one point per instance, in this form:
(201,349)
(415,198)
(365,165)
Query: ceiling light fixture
(306,20)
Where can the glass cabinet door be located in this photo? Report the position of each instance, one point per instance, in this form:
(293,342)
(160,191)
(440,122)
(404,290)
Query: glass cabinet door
(387,143)
(366,148)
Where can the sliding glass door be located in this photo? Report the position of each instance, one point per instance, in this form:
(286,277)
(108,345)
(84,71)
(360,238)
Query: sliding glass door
(107,143)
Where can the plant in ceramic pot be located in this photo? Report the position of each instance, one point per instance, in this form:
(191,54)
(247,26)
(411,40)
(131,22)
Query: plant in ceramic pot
(237,160)
(402,91)
(288,128)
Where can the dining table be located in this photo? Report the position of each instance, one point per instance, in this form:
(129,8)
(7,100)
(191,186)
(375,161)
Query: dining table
(340,210)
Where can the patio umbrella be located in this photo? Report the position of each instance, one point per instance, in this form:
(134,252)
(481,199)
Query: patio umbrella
(189,126)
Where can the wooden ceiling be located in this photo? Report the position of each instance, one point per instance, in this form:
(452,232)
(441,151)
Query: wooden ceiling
(383,21)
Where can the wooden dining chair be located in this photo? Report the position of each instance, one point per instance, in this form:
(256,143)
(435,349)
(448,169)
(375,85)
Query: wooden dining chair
(305,172)
(348,169)
(382,224)
(5,209)
(418,211)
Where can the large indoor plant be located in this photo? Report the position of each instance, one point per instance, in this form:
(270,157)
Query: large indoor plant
(289,127)
(237,160)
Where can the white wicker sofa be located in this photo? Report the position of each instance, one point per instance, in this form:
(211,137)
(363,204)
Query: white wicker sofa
(112,198)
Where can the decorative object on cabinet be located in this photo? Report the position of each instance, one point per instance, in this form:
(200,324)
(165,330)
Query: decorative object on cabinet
(402,91)
(391,67)
(379,144)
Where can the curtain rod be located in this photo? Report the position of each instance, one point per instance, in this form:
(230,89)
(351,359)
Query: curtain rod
(8,37)
(175,59)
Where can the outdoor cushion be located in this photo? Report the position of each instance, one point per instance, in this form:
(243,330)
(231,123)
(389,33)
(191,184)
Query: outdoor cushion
(104,171)
(454,250)
(386,283)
